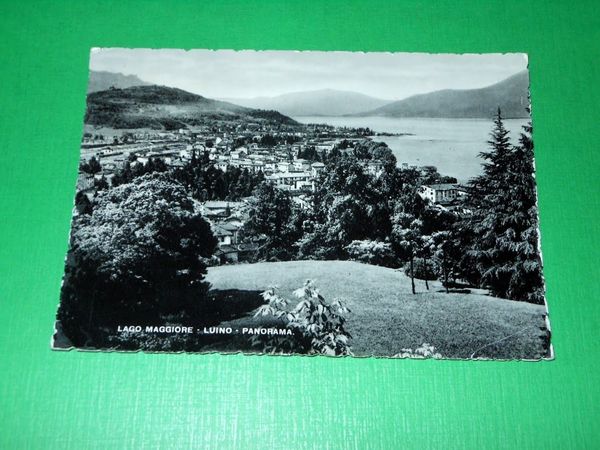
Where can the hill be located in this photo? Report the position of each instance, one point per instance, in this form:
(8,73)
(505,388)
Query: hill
(324,102)
(101,81)
(162,107)
(511,95)
(386,317)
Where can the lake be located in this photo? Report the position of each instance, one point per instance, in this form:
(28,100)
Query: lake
(452,145)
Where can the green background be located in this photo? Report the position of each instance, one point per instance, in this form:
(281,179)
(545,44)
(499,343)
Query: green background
(94,400)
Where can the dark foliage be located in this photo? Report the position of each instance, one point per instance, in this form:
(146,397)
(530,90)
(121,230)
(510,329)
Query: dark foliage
(92,166)
(273,222)
(128,173)
(503,230)
(205,182)
(310,153)
(136,259)
(82,203)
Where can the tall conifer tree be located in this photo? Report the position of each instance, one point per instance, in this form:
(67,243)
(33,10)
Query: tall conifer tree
(503,227)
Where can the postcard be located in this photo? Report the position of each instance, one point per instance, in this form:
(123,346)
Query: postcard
(308,203)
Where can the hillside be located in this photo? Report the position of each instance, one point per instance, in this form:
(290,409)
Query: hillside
(161,107)
(386,317)
(100,81)
(511,95)
(324,102)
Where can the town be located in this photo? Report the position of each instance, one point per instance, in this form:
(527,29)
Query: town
(275,152)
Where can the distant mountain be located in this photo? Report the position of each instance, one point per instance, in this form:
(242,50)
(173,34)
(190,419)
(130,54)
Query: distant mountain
(100,81)
(161,107)
(511,95)
(324,102)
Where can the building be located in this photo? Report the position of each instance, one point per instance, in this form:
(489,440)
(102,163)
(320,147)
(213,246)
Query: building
(294,181)
(225,237)
(240,153)
(439,193)
(222,165)
(236,253)
(301,165)
(232,228)
(317,168)
(284,166)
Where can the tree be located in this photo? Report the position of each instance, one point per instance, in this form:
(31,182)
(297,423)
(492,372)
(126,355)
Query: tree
(268,140)
(421,269)
(92,166)
(437,244)
(269,221)
(127,138)
(82,203)
(406,237)
(129,171)
(522,214)
(101,183)
(125,175)
(137,258)
(309,153)
(446,253)
(504,223)
(349,205)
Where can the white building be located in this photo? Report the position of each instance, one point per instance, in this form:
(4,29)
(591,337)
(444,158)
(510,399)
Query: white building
(291,180)
(301,164)
(439,193)
(284,166)
(317,168)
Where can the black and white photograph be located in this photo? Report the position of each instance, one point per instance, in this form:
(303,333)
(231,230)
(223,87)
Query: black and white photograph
(306,202)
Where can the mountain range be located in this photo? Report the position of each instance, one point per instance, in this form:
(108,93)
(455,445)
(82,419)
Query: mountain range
(101,81)
(510,95)
(125,101)
(323,102)
(161,107)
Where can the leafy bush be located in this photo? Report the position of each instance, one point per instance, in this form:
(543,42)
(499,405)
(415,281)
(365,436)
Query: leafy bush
(371,252)
(135,258)
(317,325)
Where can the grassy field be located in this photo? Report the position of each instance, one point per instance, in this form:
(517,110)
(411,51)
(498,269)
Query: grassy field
(386,317)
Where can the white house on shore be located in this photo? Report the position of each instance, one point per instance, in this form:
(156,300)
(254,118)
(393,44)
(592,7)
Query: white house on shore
(439,193)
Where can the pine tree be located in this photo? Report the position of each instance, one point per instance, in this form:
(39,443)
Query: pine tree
(527,279)
(503,228)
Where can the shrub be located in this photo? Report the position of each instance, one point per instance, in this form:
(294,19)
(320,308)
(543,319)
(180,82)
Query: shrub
(371,252)
(317,325)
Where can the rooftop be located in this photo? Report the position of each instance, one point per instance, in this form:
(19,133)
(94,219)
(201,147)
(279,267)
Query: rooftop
(216,204)
(441,186)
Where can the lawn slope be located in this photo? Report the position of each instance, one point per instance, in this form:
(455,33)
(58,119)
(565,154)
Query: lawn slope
(386,317)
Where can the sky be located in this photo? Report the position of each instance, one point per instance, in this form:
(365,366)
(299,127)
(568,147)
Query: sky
(248,73)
